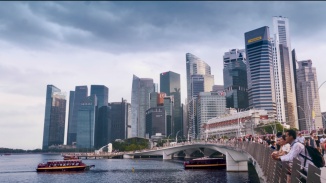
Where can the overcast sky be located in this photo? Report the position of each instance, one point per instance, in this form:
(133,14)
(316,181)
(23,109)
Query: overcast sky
(82,43)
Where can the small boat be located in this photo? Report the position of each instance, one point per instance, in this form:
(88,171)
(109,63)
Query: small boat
(70,157)
(205,163)
(65,165)
(7,154)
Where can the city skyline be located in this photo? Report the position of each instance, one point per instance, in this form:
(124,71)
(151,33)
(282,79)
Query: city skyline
(48,43)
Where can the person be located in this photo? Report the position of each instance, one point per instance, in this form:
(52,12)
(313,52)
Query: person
(312,141)
(296,150)
(301,139)
(278,136)
(317,143)
(322,142)
(285,147)
(273,145)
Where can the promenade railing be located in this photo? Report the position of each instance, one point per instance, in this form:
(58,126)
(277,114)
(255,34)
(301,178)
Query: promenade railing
(276,171)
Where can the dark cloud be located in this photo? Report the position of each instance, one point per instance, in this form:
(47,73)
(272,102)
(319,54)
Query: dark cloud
(119,27)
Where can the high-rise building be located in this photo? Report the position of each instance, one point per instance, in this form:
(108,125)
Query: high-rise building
(102,121)
(288,91)
(168,108)
(235,79)
(86,117)
(278,80)
(170,84)
(80,93)
(103,127)
(260,74)
(308,97)
(199,79)
(209,105)
(195,65)
(284,73)
(120,120)
(141,88)
(102,94)
(155,121)
(54,120)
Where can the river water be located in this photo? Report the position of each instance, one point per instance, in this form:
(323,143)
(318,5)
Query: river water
(22,168)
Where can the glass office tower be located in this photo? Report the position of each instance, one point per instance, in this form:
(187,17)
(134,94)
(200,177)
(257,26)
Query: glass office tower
(140,96)
(260,74)
(54,120)
(235,79)
(80,93)
(86,116)
(170,84)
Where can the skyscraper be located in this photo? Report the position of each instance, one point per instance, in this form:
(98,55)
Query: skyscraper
(54,120)
(170,84)
(235,79)
(199,79)
(284,71)
(288,91)
(86,117)
(168,108)
(260,75)
(155,121)
(120,119)
(195,65)
(102,121)
(209,105)
(80,93)
(141,88)
(102,94)
(103,126)
(308,97)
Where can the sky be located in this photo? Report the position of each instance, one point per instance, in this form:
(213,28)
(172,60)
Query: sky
(68,44)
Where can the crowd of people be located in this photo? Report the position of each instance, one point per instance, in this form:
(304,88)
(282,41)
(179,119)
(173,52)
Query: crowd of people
(288,146)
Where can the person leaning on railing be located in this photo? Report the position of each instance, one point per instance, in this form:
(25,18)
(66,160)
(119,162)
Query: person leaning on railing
(295,150)
(284,146)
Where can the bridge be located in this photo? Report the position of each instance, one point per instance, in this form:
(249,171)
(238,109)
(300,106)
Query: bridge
(237,156)
(235,160)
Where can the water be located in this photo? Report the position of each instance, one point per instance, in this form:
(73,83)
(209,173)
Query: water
(22,168)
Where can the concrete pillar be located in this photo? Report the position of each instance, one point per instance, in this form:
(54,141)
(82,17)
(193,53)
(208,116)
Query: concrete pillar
(126,156)
(187,156)
(165,156)
(235,166)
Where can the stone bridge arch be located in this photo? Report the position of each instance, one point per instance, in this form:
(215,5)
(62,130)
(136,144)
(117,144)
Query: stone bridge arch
(236,161)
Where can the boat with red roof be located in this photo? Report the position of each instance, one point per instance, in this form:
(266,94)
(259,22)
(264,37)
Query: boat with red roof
(205,163)
(65,165)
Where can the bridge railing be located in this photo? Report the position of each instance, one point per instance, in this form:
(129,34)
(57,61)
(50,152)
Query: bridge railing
(276,171)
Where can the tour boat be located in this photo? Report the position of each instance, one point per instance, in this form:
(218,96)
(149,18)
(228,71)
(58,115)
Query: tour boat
(70,157)
(205,163)
(65,165)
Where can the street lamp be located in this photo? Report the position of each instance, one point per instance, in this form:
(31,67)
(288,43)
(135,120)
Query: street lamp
(305,116)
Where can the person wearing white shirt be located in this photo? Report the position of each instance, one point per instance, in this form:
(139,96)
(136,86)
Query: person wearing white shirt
(285,147)
(295,151)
